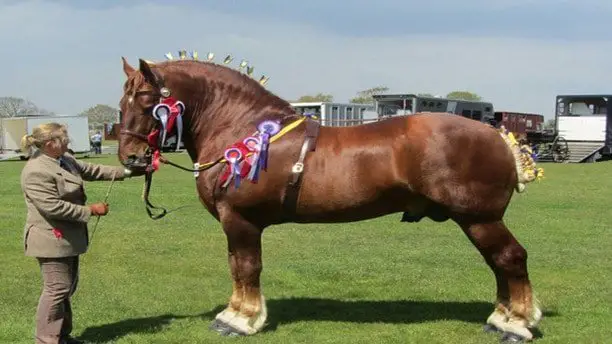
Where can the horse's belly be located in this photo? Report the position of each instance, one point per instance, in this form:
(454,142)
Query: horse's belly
(351,191)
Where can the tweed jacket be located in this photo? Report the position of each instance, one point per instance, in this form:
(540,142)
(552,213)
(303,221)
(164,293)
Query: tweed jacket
(56,222)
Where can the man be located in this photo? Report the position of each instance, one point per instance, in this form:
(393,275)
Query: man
(96,141)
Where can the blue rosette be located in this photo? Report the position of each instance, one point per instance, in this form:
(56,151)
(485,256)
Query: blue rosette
(266,129)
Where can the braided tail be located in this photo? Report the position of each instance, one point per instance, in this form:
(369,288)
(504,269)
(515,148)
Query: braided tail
(526,169)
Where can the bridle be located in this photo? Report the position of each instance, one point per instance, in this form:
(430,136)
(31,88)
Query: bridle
(139,136)
(168,113)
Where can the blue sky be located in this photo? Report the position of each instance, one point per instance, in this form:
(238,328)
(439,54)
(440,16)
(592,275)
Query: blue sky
(65,55)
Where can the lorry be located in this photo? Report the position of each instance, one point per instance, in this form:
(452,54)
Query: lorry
(14,128)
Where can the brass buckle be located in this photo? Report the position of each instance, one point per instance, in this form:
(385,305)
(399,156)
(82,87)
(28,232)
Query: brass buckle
(298,167)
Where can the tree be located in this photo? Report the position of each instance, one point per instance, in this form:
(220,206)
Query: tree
(319,97)
(549,124)
(463,95)
(18,107)
(425,95)
(365,96)
(100,114)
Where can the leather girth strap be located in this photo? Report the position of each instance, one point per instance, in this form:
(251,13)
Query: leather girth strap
(293,186)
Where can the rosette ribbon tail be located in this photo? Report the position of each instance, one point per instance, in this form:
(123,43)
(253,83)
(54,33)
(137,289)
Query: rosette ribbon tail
(254,172)
(263,154)
(266,129)
(236,173)
(164,122)
(179,130)
(229,178)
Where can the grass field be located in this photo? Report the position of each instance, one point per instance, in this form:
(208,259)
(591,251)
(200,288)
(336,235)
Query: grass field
(377,281)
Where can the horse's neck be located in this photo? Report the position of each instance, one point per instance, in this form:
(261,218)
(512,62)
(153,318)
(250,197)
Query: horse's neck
(212,129)
(209,140)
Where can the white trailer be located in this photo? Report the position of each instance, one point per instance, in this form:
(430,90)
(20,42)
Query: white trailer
(585,122)
(14,128)
(338,114)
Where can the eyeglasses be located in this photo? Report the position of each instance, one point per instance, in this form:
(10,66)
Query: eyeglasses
(63,140)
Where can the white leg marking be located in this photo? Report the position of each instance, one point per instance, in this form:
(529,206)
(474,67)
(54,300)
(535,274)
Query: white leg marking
(497,319)
(260,319)
(226,316)
(536,316)
(253,324)
(241,323)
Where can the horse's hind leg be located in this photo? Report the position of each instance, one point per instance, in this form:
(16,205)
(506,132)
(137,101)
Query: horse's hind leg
(246,312)
(515,310)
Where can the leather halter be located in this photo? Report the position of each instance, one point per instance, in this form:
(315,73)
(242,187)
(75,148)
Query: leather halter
(149,158)
(158,85)
(139,136)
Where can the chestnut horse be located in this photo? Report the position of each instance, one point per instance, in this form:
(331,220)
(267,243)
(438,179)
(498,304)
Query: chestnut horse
(439,166)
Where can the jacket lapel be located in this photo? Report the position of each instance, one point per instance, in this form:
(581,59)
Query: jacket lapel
(71,176)
(69,172)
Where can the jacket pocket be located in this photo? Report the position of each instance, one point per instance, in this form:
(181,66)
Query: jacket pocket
(70,189)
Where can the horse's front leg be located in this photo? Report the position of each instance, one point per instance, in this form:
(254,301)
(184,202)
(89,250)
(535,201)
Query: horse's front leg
(246,312)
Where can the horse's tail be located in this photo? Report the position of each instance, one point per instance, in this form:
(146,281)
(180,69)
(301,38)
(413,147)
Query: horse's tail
(526,169)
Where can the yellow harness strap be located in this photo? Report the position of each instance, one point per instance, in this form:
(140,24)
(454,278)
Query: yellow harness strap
(282,132)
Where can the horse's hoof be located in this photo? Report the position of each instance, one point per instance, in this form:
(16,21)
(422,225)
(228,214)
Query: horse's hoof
(218,326)
(509,337)
(489,328)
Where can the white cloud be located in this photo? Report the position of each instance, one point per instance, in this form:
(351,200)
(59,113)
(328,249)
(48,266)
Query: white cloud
(67,59)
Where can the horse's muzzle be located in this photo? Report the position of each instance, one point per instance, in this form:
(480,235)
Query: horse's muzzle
(137,164)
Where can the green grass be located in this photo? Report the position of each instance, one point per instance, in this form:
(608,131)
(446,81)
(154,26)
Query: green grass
(377,281)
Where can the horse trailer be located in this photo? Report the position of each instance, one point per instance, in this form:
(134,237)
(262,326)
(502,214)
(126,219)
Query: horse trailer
(518,123)
(585,122)
(338,114)
(388,105)
(14,128)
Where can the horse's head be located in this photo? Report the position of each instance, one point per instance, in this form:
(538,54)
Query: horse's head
(148,113)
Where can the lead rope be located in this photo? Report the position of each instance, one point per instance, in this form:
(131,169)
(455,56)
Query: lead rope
(149,207)
(108,191)
(104,201)
(145,196)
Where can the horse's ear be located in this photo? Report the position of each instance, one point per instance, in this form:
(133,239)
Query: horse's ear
(145,69)
(127,69)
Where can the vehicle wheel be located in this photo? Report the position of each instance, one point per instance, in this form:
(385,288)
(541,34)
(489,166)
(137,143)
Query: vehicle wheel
(560,150)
